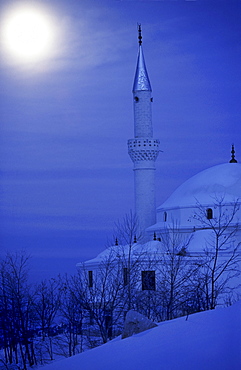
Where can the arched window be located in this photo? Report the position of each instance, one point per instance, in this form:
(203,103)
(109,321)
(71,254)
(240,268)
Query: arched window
(209,213)
(165,216)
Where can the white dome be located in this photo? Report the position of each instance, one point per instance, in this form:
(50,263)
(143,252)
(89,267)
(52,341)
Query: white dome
(220,180)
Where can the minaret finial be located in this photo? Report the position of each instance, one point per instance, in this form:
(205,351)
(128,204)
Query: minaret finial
(233,160)
(139,34)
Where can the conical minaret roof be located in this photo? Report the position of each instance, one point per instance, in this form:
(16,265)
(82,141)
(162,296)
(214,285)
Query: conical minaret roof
(141,81)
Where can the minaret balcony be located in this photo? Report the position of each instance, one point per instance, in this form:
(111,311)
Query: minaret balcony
(143,149)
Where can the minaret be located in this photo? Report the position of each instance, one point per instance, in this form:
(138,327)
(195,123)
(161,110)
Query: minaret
(143,149)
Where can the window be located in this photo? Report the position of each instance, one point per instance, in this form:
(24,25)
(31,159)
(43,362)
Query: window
(108,322)
(148,280)
(209,213)
(90,279)
(126,276)
(91,317)
(165,216)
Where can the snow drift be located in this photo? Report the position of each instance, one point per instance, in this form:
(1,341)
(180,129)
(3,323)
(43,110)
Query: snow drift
(206,340)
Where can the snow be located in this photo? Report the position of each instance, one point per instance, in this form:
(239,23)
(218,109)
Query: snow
(223,179)
(122,250)
(135,323)
(206,340)
(200,240)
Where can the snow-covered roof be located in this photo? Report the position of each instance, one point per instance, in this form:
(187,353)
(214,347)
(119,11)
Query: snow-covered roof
(199,240)
(114,252)
(220,180)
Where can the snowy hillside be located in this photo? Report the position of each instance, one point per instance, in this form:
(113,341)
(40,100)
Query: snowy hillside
(207,340)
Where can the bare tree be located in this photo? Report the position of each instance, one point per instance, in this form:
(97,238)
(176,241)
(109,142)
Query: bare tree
(17,306)
(109,288)
(104,296)
(72,314)
(220,262)
(47,305)
(157,277)
(174,272)
(128,234)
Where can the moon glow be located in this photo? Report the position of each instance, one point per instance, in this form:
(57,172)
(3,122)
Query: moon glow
(27,34)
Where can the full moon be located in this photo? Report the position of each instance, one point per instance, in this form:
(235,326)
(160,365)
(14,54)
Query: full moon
(27,34)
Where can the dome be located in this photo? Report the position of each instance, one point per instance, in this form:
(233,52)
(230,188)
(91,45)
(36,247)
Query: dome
(218,181)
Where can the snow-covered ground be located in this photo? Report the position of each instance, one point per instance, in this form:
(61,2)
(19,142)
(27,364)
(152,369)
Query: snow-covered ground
(207,340)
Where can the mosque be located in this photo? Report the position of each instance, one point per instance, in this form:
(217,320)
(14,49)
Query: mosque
(208,203)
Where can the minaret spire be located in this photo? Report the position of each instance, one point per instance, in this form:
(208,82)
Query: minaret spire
(233,160)
(143,149)
(141,80)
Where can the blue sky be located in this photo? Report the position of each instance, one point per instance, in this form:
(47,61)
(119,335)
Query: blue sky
(65,173)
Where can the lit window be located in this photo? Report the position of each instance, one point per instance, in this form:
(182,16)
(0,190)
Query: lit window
(148,280)
(209,213)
